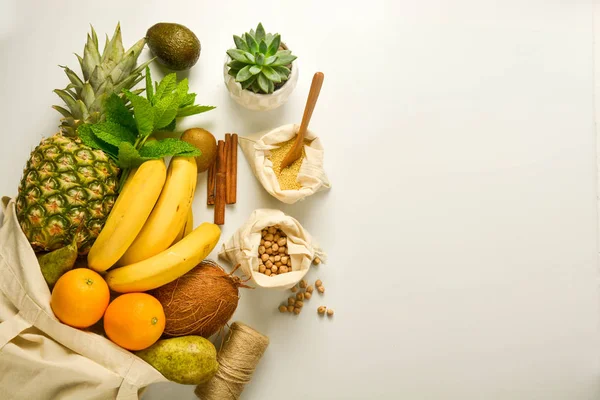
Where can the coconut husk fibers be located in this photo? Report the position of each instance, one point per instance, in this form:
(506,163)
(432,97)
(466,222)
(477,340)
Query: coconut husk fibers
(200,302)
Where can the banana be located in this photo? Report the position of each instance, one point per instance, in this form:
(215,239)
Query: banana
(168,265)
(126,219)
(187,228)
(169,214)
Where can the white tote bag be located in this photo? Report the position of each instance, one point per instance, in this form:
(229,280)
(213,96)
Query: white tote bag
(311,176)
(41,358)
(242,248)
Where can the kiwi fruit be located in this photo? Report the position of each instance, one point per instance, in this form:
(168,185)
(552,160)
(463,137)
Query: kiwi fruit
(204,141)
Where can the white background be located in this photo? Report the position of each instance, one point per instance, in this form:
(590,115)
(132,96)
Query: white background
(461,227)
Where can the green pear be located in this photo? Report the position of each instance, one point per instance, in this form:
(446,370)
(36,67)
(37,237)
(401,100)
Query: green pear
(189,360)
(58,262)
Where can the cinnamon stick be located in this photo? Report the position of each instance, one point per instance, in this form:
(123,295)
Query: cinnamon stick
(228,154)
(233,175)
(210,185)
(221,182)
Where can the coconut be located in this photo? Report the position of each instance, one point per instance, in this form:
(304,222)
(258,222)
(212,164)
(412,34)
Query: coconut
(199,302)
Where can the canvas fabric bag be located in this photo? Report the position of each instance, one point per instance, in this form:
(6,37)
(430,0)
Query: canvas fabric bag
(41,358)
(312,176)
(242,248)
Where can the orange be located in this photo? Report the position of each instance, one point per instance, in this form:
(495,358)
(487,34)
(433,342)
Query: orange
(80,298)
(134,321)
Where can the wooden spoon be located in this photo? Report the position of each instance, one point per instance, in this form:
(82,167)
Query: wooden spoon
(296,150)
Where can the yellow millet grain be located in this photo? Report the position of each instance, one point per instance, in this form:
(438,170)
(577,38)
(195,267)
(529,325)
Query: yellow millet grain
(288,177)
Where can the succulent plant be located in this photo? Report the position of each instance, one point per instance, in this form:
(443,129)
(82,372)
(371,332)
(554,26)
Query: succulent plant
(260,62)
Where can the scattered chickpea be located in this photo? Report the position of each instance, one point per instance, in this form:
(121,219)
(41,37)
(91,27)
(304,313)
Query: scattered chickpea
(317,261)
(262,269)
(268,244)
(294,289)
(303,284)
(291,301)
(318,283)
(307,295)
(309,289)
(282,241)
(282,308)
(321,289)
(297,310)
(330,312)
(299,304)
(300,296)
(290,308)
(321,310)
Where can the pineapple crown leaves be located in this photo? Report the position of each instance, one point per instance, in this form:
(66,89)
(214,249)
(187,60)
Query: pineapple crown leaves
(257,63)
(124,133)
(103,74)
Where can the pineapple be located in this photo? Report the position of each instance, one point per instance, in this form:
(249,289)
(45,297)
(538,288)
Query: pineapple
(68,188)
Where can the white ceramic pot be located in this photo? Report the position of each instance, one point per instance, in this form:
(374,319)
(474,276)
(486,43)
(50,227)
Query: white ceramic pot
(260,102)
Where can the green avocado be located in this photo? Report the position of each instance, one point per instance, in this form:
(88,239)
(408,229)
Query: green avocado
(189,360)
(174,45)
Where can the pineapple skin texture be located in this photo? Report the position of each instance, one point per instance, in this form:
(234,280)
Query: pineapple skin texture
(67,189)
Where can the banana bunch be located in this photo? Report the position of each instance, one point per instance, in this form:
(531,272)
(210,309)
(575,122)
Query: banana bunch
(149,233)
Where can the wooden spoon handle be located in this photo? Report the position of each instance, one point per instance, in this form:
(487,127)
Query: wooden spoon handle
(311,102)
(296,150)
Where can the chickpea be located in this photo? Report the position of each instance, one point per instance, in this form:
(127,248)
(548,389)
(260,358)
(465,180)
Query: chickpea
(284,259)
(272,259)
(289,263)
(269,237)
(283,269)
(268,272)
(262,269)
(282,308)
(321,310)
(261,250)
(294,289)
(264,257)
(264,233)
(267,244)
(269,251)
(321,289)
(282,250)
(307,296)
(318,283)
(277,258)
(278,263)
(275,247)
(274,268)
(282,242)
(317,261)
(309,289)
(276,237)
(290,308)
(269,264)
(303,284)
(291,301)
(300,296)
(330,312)
(297,310)
(272,230)
(299,304)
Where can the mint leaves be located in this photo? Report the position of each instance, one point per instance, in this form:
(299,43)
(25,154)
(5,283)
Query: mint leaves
(124,133)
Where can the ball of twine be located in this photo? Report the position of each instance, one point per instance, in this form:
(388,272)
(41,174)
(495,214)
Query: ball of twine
(238,358)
